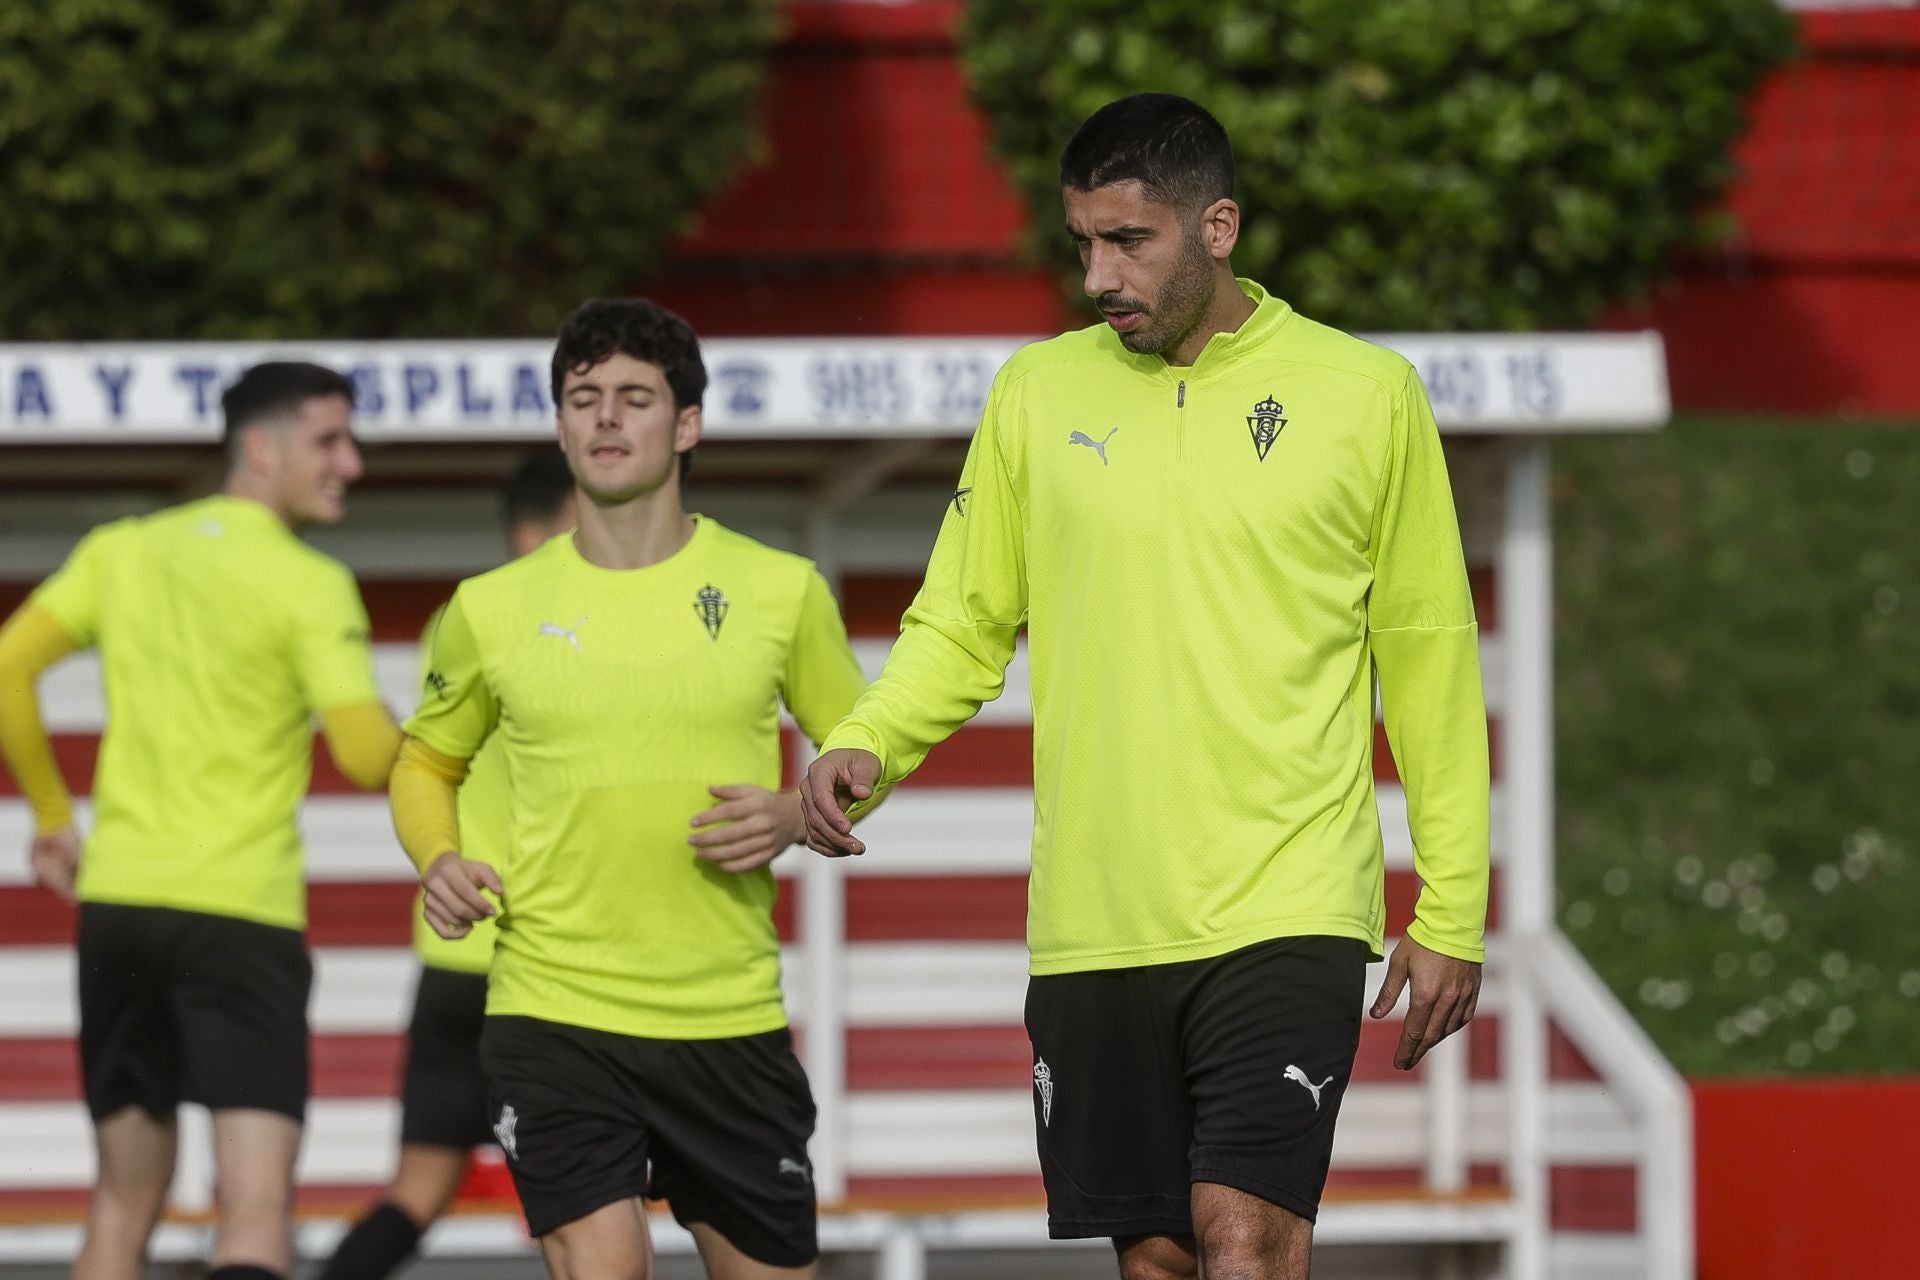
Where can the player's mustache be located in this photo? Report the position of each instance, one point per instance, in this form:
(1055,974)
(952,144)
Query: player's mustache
(1110,302)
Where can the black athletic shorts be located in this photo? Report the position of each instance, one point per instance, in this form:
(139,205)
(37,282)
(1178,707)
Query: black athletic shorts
(187,1006)
(443,1092)
(724,1124)
(1230,1070)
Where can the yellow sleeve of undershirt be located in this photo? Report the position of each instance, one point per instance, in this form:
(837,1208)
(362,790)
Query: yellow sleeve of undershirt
(363,740)
(424,790)
(31,641)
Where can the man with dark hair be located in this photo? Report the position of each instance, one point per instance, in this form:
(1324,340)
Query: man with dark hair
(603,327)
(443,1096)
(272,389)
(635,1040)
(221,634)
(1219,522)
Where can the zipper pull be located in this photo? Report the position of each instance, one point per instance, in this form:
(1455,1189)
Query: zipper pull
(1180,399)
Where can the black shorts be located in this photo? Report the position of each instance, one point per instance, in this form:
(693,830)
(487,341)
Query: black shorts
(187,1006)
(443,1092)
(724,1123)
(1230,1070)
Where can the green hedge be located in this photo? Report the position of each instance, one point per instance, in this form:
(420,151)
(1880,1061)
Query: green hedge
(1738,667)
(1411,164)
(254,168)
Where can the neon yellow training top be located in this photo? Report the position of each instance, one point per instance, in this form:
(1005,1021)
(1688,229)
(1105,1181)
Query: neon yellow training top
(484,809)
(1212,563)
(220,634)
(619,697)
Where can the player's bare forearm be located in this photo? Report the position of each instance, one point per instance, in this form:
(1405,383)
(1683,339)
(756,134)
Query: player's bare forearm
(835,783)
(1445,992)
(748,828)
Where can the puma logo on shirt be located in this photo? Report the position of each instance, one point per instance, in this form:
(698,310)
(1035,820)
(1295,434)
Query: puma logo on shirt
(570,634)
(1098,446)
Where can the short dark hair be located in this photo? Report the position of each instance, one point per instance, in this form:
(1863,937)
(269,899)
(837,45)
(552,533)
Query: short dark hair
(537,489)
(637,327)
(1168,144)
(274,388)
(602,327)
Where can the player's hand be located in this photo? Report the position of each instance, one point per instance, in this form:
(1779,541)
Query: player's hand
(750,827)
(453,901)
(1446,991)
(834,782)
(55,856)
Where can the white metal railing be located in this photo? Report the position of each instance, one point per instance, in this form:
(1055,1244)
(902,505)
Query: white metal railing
(1654,1093)
(1525,577)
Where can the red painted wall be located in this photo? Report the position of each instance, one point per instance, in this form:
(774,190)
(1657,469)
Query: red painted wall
(879,209)
(1817,308)
(1807,1178)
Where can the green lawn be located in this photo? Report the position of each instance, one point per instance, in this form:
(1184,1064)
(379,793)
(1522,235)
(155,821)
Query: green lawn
(1738,649)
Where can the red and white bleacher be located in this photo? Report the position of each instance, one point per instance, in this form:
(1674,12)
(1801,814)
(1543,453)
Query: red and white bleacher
(930,973)
(1549,1140)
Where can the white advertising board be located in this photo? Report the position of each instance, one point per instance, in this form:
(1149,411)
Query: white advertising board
(826,388)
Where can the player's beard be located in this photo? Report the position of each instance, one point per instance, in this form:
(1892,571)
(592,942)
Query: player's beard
(1183,300)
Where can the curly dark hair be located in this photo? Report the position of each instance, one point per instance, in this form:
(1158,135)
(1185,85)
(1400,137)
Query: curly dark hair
(602,327)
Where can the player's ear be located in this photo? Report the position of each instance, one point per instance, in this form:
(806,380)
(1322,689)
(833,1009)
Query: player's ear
(1220,227)
(687,428)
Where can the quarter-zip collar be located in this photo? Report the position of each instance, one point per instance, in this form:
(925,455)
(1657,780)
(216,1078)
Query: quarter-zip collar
(1223,350)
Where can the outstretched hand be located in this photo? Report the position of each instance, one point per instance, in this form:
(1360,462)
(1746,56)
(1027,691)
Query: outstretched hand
(750,827)
(453,901)
(1446,992)
(835,783)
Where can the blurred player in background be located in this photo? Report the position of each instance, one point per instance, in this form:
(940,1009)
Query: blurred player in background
(1219,520)
(443,1101)
(221,634)
(634,1011)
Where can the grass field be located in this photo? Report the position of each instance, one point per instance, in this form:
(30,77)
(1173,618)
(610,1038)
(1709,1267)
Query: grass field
(1738,648)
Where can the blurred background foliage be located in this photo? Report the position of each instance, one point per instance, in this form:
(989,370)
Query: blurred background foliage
(266,168)
(1738,648)
(1411,164)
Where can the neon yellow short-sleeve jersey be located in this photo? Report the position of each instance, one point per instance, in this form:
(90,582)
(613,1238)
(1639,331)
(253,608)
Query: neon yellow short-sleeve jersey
(618,699)
(220,634)
(483,809)
(1213,564)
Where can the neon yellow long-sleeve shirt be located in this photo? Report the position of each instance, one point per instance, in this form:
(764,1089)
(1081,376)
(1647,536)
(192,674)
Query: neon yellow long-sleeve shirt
(1212,564)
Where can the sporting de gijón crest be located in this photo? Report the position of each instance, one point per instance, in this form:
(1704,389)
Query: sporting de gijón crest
(1266,422)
